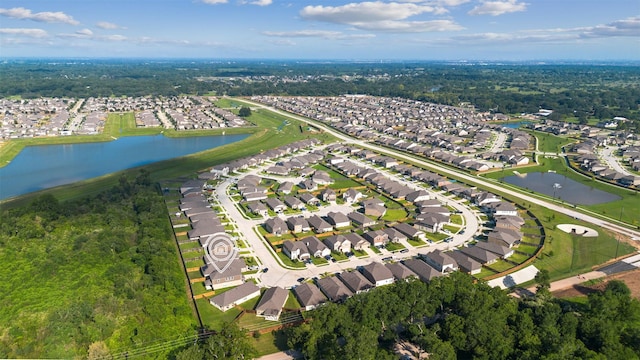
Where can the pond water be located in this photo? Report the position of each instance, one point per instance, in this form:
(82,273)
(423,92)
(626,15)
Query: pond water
(516,125)
(561,187)
(42,167)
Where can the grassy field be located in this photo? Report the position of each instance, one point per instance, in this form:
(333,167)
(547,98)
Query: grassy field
(550,143)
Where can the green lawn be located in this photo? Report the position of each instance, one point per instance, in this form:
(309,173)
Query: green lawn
(213,318)
(416,242)
(548,142)
(394,247)
(270,343)
(288,262)
(394,215)
(375,249)
(456,219)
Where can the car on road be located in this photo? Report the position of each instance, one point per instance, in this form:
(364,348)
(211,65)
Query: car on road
(265,270)
(301,279)
(388,258)
(404,251)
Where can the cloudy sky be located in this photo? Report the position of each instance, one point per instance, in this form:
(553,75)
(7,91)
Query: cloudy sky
(323,29)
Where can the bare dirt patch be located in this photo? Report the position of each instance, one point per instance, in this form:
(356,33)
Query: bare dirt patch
(630,278)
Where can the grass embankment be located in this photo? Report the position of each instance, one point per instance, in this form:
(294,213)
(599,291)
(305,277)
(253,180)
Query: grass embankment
(269,133)
(550,143)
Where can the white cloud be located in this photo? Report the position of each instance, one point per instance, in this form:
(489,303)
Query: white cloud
(215,2)
(381,16)
(48,17)
(331,35)
(262,2)
(626,27)
(85,32)
(114,38)
(411,26)
(108,25)
(34,33)
(495,8)
(363,12)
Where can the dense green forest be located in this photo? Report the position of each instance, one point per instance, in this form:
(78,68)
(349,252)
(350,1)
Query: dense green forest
(88,277)
(454,318)
(599,91)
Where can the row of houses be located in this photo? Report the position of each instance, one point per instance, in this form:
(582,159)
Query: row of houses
(589,161)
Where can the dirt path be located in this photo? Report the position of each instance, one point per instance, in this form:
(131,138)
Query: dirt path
(630,278)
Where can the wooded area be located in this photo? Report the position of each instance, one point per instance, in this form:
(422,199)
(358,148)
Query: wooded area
(90,277)
(453,318)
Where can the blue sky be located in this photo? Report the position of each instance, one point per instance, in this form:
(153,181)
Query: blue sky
(323,29)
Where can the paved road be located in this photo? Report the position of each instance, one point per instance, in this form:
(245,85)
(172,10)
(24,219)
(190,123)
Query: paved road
(499,143)
(607,155)
(278,275)
(607,224)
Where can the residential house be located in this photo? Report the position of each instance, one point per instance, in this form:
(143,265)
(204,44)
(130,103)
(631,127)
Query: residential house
(298,224)
(508,222)
(321,178)
(275,226)
(504,237)
(485,198)
(328,195)
(309,199)
(378,274)
(295,250)
(334,289)
(276,205)
(308,185)
(338,219)
(231,276)
(235,296)
(357,241)
(424,271)
(501,208)
(351,196)
(375,210)
(316,247)
(465,263)
(440,260)
(360,219)
(355,281)
(258,208)
(271,303)
(429,223)
(418,195)
(286,187)
(482,256)
(408,230)
(399,271)
(394,235)
(319,225)
(293,202)
(502,251)
(204,229)
(337,243)
(309,296)
(376,237)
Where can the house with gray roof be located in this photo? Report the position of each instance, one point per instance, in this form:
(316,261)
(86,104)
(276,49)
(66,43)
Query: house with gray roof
(309,296)
(298,224)
(504,237)
(258,208)
(502,251)
(295,250)
(376,237)
(337,243)
(309,199)
(482,256)
(316,247)
(394,235)
(318,224)
(408,230)
(377,273)
(360,219)
(275,226)
(235,296)
(465,263)
(424,271)
(334,289)
(231,276)
(355,281)
(275,205)
(286,187)
(338,219)
(399,271)
(357,241)
(440,260)
(271,303)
